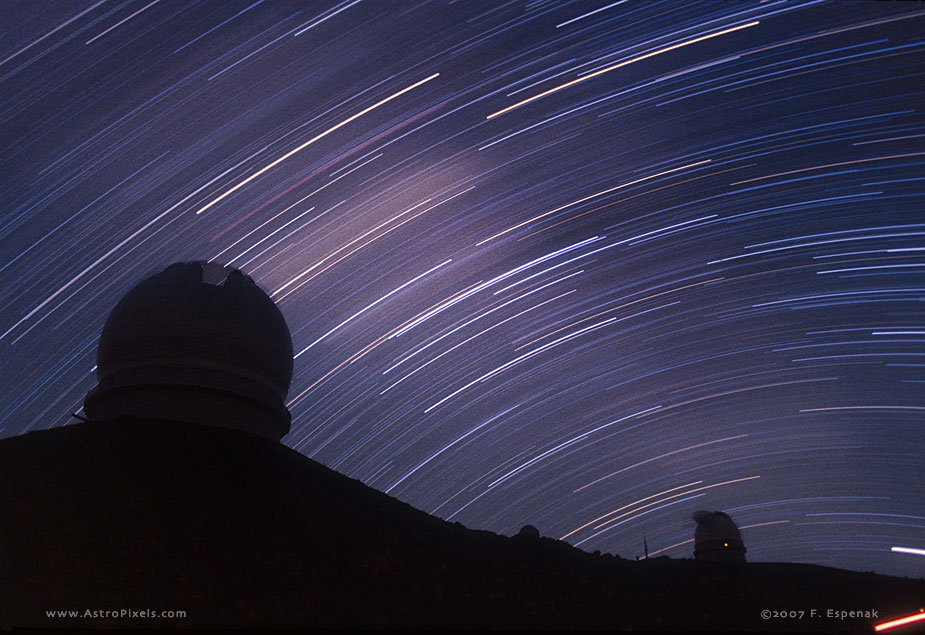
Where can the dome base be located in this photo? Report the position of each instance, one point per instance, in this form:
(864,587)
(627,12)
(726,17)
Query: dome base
(189,405)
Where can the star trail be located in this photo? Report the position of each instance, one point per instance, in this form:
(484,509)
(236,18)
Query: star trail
(588,266)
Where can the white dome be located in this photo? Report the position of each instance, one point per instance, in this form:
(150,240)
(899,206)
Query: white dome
(198,342)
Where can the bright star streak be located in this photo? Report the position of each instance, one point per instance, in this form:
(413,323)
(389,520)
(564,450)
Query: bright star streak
(313,140)
(620,65)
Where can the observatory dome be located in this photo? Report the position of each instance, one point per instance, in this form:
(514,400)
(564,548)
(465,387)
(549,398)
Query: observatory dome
(198,342)
(717,538)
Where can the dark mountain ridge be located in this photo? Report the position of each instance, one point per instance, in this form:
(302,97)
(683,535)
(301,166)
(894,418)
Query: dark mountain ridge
(240,531)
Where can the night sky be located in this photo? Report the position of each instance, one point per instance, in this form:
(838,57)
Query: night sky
(590,266)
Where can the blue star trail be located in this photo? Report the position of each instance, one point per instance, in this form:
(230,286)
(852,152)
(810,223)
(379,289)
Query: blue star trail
(589,266)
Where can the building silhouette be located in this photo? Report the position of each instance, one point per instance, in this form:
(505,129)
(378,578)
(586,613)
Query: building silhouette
(717,538)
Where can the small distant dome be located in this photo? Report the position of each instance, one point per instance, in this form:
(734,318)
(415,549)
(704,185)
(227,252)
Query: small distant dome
(529,531)
(197,342)
(717,539)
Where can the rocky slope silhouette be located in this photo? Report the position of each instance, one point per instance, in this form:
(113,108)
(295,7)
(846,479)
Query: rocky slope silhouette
(239,531)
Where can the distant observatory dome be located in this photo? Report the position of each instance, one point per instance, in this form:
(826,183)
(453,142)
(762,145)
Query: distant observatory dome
(529,532)
(198,342)
(717,539)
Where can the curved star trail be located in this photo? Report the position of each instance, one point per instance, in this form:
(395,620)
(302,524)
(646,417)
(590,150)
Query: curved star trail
(590,266)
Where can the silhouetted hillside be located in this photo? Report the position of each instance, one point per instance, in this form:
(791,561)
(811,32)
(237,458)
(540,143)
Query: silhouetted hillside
(239,530)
